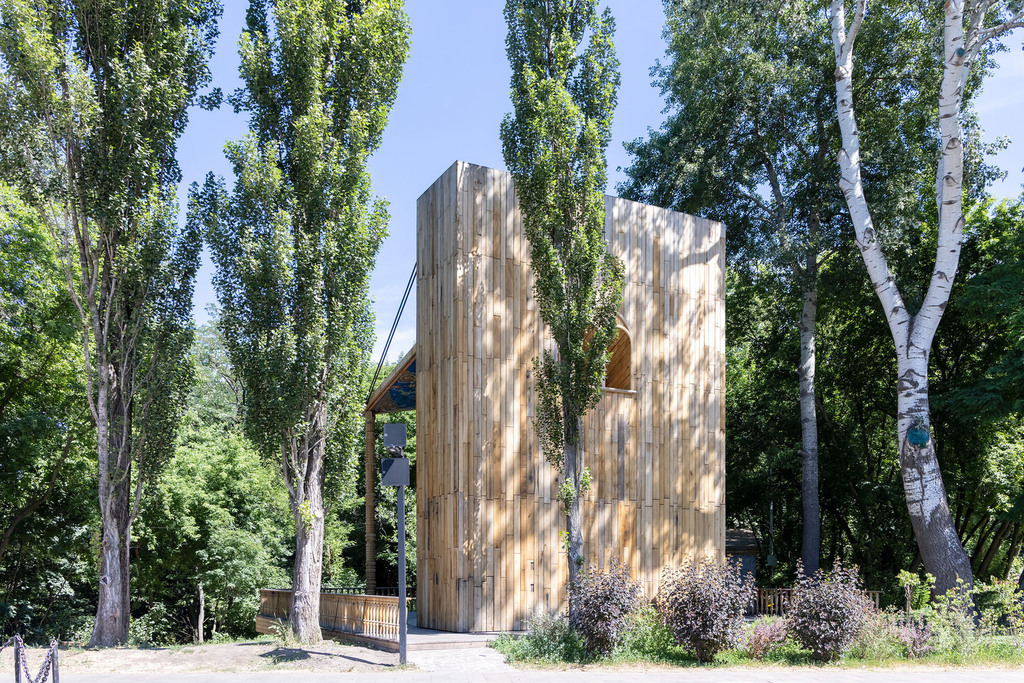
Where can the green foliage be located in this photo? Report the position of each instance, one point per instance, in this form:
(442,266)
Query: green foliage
(387,507)
(564,83)
(219,519)
(917,591)
(600,606)
(750,96)
(827,611)
(645,635)
(952,621)
(154,628)
(1005,609)
(550,640)
(879,637)
(702,604)
(46,482)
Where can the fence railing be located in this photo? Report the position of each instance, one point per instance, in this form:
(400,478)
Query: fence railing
(369,615)
(775,601)
(361,590)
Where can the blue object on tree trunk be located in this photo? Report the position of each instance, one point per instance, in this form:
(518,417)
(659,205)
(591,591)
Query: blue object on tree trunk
(918,436)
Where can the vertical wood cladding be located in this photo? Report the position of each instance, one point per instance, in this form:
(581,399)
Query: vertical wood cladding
(488,544)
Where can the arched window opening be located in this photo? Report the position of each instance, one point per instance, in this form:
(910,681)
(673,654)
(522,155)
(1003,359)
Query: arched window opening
(619,373)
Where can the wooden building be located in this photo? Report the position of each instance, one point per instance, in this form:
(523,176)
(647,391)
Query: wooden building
(489,549)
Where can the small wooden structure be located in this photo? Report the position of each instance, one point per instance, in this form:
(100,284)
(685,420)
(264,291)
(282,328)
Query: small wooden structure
(489,550)
(741,547)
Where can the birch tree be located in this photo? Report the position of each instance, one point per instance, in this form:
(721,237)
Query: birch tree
(96,94)
(564,83)
(296,240)
(968,26)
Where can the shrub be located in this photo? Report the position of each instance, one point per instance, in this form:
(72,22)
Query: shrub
(151,629)
(645,635)
(916,592)
(916,636)
(600,604)
(952,621)
(702,605)
(877,637)
(550,639)
(766,634)
(1002,607)
(827,610)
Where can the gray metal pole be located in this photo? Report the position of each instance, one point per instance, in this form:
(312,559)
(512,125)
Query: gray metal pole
(402,616)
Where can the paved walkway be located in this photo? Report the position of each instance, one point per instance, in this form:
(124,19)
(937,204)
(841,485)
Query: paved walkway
(461,663)
(474,668)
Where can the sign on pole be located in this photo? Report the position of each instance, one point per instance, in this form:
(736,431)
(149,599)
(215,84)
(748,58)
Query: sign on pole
(395,472)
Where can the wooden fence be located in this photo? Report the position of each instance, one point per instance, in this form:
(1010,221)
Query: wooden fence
(775,601)
(375,616)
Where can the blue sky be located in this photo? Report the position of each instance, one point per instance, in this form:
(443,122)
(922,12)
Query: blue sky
(451,101)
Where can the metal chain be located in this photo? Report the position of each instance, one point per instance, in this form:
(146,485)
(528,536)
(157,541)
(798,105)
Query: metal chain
(44,670)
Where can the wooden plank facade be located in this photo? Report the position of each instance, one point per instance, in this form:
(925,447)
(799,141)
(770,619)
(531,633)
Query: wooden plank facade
(489,522)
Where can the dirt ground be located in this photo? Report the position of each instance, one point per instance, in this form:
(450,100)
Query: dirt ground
(257,655)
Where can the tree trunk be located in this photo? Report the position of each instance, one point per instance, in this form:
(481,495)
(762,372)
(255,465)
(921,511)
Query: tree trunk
(1011,554)
(573,520)
(115,478)
(986,531)
(113,606)
(201,618)
(943,555)
(969,533)
(811,549)
(306,489)
(993,548)
(370,467)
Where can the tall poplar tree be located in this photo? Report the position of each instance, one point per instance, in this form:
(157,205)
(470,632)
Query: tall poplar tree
(968,26)
(295,241)
(94,96)
(564,83)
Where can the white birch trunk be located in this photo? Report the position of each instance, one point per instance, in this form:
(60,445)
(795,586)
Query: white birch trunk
(941,550)
(811,543)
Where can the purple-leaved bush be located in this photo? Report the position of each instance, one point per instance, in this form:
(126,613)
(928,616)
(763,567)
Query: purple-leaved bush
(827,610)
(702,605)
(765,636)
(600,604)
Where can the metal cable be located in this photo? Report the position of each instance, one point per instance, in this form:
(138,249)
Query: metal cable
(391,334)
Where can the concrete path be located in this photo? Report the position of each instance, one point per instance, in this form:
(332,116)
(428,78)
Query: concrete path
(469,666)
(461,663)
